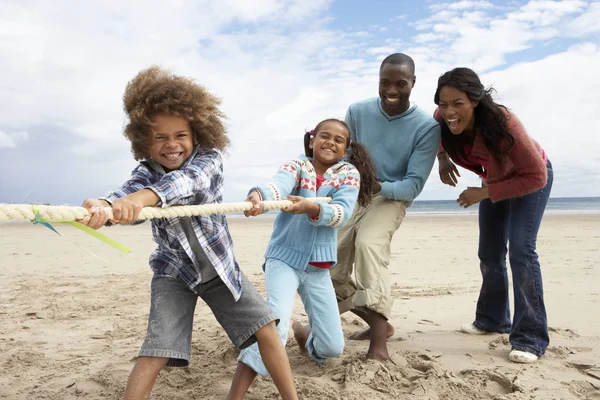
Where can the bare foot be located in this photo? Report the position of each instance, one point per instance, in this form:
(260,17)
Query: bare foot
(366,334)
(301,333)
(379,355)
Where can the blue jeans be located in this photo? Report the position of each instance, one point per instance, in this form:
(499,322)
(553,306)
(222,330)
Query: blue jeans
(516,221)
(314,286)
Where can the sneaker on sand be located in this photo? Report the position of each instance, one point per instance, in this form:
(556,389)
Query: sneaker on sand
(472,329)
(522,357)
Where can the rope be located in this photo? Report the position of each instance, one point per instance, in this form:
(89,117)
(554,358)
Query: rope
(26,212)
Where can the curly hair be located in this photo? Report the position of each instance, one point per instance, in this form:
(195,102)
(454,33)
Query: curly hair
(490,117)
(157,91)
(358,156)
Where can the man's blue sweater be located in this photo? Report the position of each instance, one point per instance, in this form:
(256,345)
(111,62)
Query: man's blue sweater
(403,147)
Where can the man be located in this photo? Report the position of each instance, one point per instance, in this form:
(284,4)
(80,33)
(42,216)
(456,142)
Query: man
(403,141)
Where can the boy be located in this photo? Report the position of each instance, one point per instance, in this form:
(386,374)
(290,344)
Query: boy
(176,129)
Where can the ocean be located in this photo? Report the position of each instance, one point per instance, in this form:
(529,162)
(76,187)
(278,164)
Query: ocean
(556,205)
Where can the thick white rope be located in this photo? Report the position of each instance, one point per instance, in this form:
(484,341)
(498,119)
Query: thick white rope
(25,212)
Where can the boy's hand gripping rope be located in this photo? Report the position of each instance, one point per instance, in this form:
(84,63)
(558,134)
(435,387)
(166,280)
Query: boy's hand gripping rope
(29,212)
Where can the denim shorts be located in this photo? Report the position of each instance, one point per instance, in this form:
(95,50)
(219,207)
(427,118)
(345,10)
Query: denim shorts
(172,306)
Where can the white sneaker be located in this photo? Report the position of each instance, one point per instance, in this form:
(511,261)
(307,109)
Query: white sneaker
(522,357)
(472,329)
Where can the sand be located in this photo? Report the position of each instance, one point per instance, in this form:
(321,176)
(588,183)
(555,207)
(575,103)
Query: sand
(71,324)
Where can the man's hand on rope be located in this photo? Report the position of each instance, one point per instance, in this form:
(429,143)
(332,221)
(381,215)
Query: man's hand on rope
(96,208)
(257,205)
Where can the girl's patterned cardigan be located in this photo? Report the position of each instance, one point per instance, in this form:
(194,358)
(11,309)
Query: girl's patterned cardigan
(297,239)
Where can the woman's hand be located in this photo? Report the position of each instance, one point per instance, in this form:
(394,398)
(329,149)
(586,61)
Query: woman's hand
(472,195)
(257,205)
(448,171)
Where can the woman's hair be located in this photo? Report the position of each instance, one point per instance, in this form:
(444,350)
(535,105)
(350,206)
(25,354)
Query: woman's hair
(358,156)
(156,91)
(490,118)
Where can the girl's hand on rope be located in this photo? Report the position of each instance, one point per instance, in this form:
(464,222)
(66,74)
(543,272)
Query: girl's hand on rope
(303,206)
(96,208)
(257,205)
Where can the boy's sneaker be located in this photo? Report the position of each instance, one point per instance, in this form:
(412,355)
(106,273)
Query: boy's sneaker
(522,357)
(472,329)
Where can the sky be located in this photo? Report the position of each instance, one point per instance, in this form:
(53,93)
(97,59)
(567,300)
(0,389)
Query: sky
(280,67)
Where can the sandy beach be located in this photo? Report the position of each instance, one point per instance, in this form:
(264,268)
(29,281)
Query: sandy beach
(71,323)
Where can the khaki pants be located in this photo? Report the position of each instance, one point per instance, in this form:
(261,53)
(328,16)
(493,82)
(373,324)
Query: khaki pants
(364,242)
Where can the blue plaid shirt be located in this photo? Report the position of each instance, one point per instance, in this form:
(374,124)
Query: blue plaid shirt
(198,181)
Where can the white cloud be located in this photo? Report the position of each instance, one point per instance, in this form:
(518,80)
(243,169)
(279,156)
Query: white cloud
(428,37)
(251,11)
(482,36)
(301,9)
(360,34)
(306,102)
(381,50)
(546,13)
(470,5)
(11,140)
(587,23)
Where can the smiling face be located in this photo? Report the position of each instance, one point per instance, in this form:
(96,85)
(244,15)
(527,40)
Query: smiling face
(457,110)
(395,84)
(172,142)
(330,143)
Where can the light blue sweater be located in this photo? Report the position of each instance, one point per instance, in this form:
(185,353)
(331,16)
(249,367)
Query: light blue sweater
(403,147)
(296,239)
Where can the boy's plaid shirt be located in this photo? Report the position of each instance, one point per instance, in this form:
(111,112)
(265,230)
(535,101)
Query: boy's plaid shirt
(198,181)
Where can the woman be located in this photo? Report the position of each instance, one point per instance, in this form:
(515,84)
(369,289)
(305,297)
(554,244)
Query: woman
(486,138)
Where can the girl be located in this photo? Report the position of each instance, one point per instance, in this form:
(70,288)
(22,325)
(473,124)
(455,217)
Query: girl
(486,138)
(303,247)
